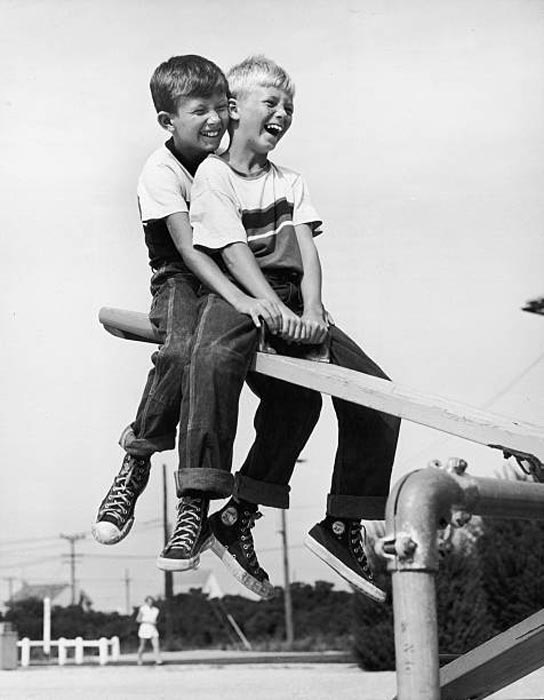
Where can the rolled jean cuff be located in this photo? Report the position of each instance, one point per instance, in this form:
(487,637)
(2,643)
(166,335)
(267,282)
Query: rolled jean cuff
(261,492)
(356,507)
(145,447)
(214,482)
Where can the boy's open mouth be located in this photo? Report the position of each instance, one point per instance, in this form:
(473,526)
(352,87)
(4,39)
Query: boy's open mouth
(211,134)
(274,129)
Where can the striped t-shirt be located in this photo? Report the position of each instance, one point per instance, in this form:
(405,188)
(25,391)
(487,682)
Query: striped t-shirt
(260,210)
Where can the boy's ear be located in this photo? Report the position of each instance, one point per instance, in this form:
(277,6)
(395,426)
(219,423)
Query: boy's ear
(233,108)
(165,120)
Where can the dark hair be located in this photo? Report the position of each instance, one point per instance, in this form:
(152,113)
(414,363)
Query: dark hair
(185,76)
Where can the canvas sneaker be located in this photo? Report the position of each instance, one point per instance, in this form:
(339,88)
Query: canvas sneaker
(339,543)
(233,544)
(116,512)
(190,537)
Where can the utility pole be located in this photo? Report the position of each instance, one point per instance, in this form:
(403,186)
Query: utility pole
(72,539)
(168,581)
(288,603)
(287,599)
(168,576)
(127,592)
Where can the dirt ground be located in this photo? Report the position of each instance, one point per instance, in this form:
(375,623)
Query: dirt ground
(216,681)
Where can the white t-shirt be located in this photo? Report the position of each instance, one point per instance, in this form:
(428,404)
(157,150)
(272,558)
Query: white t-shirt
(164,186)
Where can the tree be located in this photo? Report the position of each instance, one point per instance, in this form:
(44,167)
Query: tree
(462,611)
(511,553)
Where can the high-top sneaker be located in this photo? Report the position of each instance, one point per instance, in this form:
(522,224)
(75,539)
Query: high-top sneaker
(339,543)
(233,544)
(190,537)
(116,512)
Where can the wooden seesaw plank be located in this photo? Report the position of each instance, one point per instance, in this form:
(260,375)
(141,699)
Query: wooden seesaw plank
(497,663)
(432,411)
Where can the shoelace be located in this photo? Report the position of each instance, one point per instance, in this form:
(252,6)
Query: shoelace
(247,521)
(356,538)
(188,521)
(124,490)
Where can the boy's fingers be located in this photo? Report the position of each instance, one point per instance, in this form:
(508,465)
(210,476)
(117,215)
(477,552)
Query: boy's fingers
(271,316)
(311,332)
(307,332)
(321,334)
(287,328)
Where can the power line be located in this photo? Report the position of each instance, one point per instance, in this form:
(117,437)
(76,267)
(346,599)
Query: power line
(511,384)
(4,543)
(24,550)
(120,556)
(28,562)
(487,404)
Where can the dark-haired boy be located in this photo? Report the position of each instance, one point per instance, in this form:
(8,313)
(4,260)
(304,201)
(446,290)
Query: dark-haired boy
(258,216)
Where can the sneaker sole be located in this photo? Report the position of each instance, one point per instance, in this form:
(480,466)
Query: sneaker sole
(171,564)
(116,538)
(344,571)
(263,590)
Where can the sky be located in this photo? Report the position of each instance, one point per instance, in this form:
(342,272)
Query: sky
(418,128)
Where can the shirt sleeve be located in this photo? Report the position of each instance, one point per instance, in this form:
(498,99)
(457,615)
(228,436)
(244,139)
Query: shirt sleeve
(304,212)
(160,193)
(215,214)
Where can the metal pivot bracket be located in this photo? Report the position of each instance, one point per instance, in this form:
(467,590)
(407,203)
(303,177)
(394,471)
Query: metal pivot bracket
(530,464)
(402,546)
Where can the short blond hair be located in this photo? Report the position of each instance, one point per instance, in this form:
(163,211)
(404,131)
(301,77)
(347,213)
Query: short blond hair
(256,71)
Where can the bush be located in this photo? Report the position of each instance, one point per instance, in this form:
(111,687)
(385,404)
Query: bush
(462,612)
(513,569)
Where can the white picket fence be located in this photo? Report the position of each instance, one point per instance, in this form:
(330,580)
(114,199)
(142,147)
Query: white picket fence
(108,649)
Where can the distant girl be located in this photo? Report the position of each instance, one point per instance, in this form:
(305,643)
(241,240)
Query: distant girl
(147,618)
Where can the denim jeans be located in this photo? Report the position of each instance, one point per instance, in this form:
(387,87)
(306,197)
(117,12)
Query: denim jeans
(174,314)
(367,439)
(223,346)
(196,380)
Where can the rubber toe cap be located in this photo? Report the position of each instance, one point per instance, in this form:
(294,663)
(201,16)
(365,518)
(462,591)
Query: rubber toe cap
(106,533)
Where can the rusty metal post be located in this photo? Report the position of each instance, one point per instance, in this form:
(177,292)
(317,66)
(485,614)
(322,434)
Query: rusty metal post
(414,509)
(419,504)
(416,636)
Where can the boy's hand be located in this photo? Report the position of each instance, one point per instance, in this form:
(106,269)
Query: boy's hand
(264,309)
(293,328)
(316,326)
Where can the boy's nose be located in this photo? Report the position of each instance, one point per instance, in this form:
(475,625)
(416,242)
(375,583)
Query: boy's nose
(282,114)
(214,118)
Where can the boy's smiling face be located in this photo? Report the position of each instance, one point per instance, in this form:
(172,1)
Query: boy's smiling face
(263,117)
(198,125)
